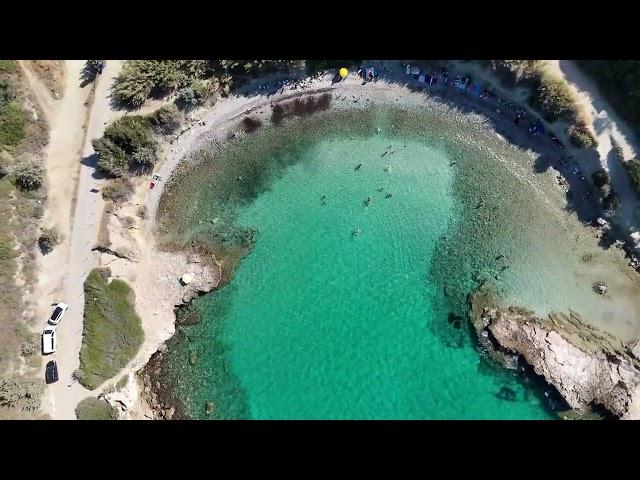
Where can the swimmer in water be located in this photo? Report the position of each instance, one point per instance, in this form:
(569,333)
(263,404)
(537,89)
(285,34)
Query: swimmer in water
(367,201)
(356,232)
(358,166)
(389,195)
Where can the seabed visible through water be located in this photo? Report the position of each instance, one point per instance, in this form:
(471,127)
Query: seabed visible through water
(319,323)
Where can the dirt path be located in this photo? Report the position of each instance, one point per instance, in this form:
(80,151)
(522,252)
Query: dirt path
(43,95)
(71,170)
(606,125)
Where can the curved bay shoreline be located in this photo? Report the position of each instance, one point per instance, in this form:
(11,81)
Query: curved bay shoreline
(219,123)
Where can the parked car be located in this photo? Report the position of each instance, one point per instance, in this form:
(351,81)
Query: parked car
(58,312)
(49,343)
(51,372)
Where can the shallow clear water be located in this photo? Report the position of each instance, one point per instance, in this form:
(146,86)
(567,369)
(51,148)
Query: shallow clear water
(319,323)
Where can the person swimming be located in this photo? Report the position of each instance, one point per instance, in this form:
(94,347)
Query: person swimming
(356,232)
(367,201)
(389,195)
(358,166)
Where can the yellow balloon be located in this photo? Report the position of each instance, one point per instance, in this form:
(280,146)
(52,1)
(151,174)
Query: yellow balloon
(343,72)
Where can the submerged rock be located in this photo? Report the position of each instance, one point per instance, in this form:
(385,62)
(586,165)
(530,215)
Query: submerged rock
(600,288)
(507,394)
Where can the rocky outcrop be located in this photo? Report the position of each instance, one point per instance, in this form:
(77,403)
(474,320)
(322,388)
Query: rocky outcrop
(586,366)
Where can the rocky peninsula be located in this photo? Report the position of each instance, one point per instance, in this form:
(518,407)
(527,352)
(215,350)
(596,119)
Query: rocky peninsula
(587,366)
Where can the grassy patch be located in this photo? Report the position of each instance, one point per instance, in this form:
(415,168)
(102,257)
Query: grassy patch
(92,408)
(112,331)
(7,66)
(12,124)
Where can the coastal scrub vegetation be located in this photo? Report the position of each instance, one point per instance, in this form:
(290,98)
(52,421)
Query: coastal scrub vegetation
(195,82)
(112,331)
(143,79)
(23,135)
(49,238)
(127,146)
(20,393)
(633,170)
(580,136)
(92,408)
(29,175)
(119,190)
(550,95)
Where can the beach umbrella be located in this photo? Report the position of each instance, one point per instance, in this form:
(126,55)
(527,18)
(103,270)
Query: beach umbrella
(343,72)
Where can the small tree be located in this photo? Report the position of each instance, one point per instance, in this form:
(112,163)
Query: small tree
(111,158)
(145,157)
(580,136)
(600,178)
(29,175)
(49,238)
(165,120)
(632,167)
(611,202)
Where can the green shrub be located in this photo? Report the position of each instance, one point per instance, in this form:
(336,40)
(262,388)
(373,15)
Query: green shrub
(118,190)
(601,178)
(632,167)
(127,145)
(92,408)
(31,346)
(112,331)
(580,136)
(20,393)
(29,175)
(7,92)
(552,98)
(144,157)
(165,120)
(611,201)
(140,79)
(7,66)
(49,238)
(12,124)
(6,248)
(111,158)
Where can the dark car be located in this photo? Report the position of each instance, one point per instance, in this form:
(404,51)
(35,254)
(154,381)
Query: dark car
(51,372)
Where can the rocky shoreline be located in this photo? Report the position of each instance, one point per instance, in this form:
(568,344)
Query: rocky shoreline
(588,367)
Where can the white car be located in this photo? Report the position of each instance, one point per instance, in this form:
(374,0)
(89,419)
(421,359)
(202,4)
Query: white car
(58,312)
(49,343)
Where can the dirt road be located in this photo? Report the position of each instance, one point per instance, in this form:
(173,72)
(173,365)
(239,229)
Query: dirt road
(606,125)
(63,274)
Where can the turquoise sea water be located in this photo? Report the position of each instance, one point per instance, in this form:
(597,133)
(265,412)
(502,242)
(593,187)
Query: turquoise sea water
(321,324)
(324,324)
